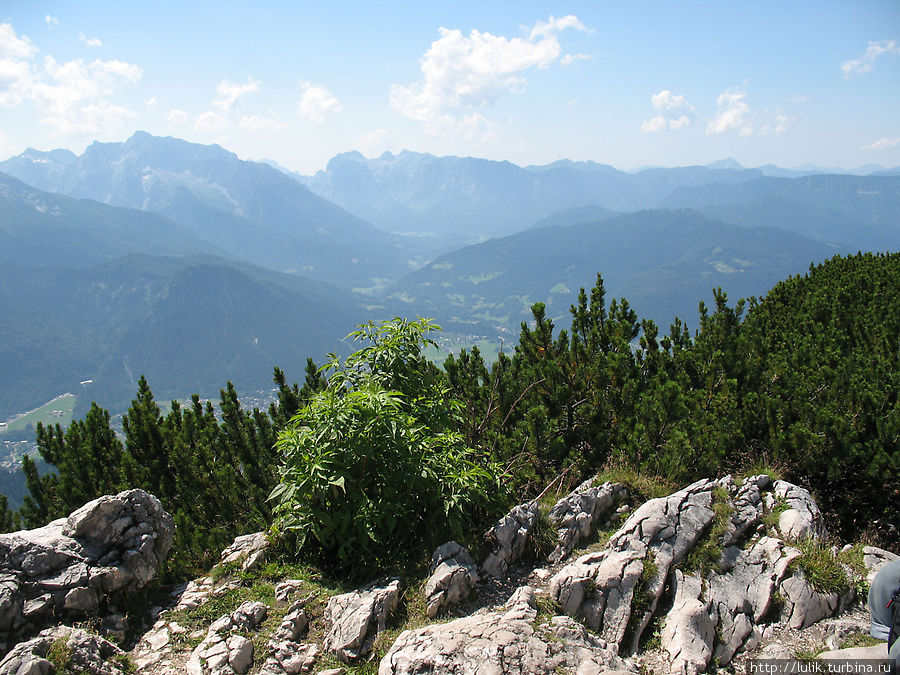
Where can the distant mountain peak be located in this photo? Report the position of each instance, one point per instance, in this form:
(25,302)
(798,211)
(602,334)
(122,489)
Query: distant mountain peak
(727,163)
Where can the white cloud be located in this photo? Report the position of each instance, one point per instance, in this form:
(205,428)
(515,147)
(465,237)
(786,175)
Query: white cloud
(90,42)
(569,59)
(12,46)
(71,97)
(552,26)
(463,72)
(732,114)
(177,117)
(675,112)
(882,144)
(152,102)
(865,63)
(256,123)
(229,92)
(316,102)
(51,20)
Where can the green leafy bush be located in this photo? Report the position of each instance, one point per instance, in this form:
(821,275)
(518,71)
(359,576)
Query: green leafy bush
(373,472)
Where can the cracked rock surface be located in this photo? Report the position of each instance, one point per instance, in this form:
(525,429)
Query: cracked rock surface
(599,588)
(86,653)
(453,575)
(224,651)
(508,537)
(576,515)
(498,642)
(356,618)
(69,568)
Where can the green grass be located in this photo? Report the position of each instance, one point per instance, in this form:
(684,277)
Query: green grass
(57,411)
(706,555)
(854,559)
(860,640)
(820,567)
(542,538)
(640,599)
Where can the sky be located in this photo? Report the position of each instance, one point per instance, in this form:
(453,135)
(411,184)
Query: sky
(629,84)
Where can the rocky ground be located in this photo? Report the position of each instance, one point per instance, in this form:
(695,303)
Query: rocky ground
(695,581)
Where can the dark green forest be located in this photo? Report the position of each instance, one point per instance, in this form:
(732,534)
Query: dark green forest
(393,454)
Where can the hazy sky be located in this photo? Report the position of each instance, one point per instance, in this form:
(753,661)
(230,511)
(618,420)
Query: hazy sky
(624,83)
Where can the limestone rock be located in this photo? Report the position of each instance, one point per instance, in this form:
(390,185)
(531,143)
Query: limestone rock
(84,652)
(599,587)
(249,550)
(748,505)
(500,642)
(356,618)
(802,518)
(874,559)
(576,514)
(71,567)
(222,651)
(453,576)
(286,655)
(689,629)
(508,537)
(804,605)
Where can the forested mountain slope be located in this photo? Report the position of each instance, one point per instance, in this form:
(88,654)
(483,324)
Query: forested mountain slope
(664,262)
(44,229)
(189,324)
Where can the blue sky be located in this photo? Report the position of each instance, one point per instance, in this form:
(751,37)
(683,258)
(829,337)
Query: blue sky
(628,84)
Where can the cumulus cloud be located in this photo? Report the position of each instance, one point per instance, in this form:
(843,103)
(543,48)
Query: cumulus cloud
(462,72)
(865,63)
(882,144)
(90,42)
(229,92)
(675,112)
(316,102)
(72,97)
(14,47)
(569,59)
(152,102)
(732,114)
(51,20)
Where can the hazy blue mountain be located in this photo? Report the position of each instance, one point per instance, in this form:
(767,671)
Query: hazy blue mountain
(42,228)
(663,262)
(575,215)
(463,197)
(189,324)
(861,212)
(248,209)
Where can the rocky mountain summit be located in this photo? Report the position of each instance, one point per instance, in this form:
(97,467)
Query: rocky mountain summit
(599,582)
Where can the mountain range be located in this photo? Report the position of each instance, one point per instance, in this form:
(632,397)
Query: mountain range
(185,263)
(248,210)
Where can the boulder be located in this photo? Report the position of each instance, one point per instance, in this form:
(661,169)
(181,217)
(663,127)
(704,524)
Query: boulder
(508,537)
(499,642)
(802,517)
(453,576)
(355,619)
(248,550)
(576,514)
(80,652)
(73,566)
